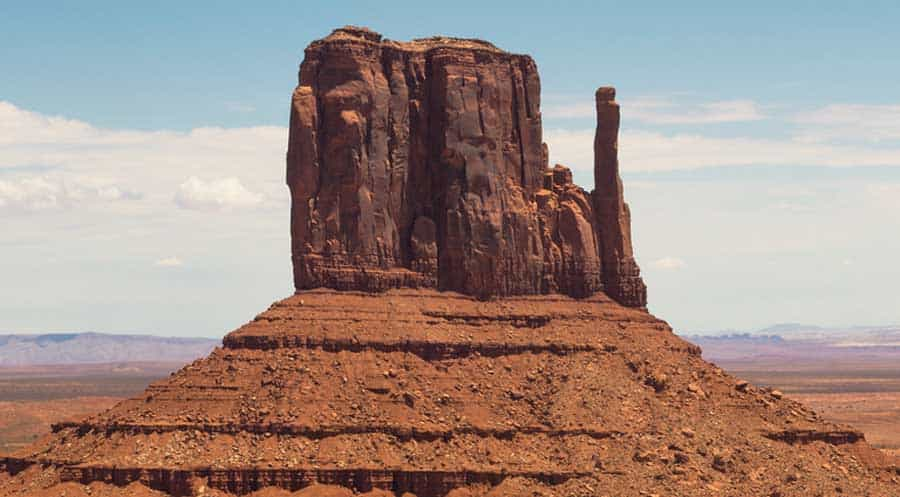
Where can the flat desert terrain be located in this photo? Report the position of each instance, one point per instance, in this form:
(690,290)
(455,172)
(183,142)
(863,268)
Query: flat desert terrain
(866,396)
(33,398)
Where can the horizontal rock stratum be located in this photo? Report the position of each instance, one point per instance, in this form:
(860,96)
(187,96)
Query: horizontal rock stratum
(422,164)
(449,336)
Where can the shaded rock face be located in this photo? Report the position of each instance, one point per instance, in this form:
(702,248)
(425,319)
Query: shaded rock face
(421,164)
(621,275)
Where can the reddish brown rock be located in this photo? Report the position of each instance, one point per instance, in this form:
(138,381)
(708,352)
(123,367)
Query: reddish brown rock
(438,138)
(621,275)
(434,394)
(568,236)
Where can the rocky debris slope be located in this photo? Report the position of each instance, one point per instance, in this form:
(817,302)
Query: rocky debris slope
(413,170)
(421,164)
(544,394)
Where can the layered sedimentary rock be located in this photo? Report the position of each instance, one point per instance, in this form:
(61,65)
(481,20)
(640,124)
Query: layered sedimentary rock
(621,275)
(367,389)
(336,393)
(421,164)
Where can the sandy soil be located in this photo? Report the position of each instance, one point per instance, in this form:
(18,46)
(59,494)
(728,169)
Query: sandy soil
(23,422)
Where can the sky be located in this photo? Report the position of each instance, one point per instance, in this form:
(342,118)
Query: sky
(142,151)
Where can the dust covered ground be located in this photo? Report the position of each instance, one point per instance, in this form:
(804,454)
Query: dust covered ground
(865,395)
(33,398)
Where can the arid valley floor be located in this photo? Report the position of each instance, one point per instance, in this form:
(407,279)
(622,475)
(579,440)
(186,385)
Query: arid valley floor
(866,396)
(33,398)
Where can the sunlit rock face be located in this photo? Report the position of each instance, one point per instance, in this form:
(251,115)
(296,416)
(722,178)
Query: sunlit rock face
(421,164)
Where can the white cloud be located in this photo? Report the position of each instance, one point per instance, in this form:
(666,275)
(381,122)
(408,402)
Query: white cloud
(46,192)
(669,263)
(21,127)
(218,194)
(664,111)
(657,151)
(654,151)
(169,262)
(655,110)
(872,123)
(573,148)
(77,158)
(833,135)
(571,110)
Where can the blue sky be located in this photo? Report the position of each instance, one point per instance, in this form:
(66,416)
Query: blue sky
(141,151)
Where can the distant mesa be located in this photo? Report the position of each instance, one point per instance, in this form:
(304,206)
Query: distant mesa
(422,165)
(96,348)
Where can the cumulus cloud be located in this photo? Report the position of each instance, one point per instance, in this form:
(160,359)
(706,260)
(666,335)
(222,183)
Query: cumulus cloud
(44,192)
(85,161)
(218,194)
(656,110)
(669,263)
(169,262)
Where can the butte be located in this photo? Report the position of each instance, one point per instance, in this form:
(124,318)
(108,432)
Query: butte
(466,322)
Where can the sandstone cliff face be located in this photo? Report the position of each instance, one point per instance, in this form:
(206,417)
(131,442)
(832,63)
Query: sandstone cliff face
(421,164)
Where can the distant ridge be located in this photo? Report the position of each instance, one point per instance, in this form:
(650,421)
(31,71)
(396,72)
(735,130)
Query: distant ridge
(17,350)
(800,331)
(790,342)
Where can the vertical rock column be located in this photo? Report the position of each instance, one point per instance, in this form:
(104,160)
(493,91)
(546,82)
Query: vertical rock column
(488,163)
(347,168)
(621,275)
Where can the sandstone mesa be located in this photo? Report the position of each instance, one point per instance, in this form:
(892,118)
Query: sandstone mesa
(467,322)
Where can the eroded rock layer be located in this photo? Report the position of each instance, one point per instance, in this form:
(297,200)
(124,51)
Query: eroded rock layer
(432,393)
(421,164)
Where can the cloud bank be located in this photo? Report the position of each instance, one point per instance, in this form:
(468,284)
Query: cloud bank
(658,110)
(50,162)
(831,136)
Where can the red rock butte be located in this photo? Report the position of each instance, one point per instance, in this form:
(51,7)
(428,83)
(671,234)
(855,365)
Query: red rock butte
(467,323)
(422,165)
